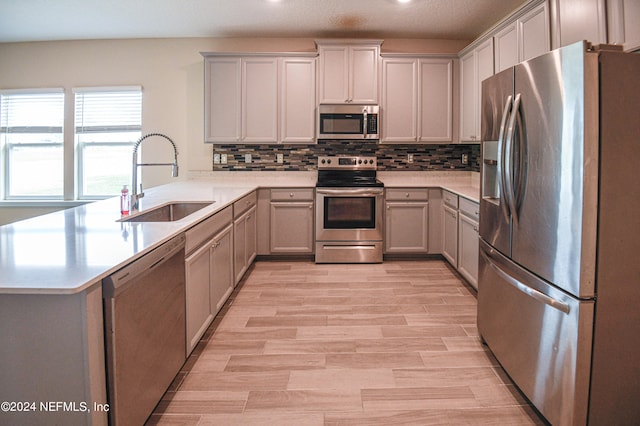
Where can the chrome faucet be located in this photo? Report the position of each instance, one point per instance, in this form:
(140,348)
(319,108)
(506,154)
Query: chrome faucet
(135,196)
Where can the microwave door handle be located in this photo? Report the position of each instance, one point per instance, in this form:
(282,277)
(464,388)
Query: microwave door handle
(364,122)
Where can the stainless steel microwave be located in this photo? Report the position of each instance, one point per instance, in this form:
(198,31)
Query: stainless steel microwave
(348,121)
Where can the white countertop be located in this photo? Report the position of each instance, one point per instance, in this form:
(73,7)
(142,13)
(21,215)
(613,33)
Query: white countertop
(71,250)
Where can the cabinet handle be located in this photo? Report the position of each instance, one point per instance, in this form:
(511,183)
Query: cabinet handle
(475,228)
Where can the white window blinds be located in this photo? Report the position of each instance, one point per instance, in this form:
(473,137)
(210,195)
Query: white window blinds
(31,133)
(108,121)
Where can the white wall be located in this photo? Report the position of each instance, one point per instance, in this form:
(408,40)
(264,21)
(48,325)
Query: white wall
(170,72)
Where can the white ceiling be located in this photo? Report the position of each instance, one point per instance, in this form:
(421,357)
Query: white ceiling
(35,20)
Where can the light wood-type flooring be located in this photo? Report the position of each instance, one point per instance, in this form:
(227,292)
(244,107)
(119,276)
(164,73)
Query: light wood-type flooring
(384,344)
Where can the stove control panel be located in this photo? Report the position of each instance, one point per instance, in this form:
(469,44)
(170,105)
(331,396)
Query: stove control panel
(347,163)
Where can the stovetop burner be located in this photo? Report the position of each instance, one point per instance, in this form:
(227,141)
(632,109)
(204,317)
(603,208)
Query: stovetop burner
(344,172)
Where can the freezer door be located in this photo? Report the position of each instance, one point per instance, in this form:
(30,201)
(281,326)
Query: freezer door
(553,169)
(497,104)
(540,335)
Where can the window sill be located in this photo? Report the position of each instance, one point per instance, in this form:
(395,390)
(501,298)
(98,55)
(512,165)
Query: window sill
(44,203)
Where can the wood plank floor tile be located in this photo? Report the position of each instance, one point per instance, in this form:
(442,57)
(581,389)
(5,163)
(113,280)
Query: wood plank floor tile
(374,360)
(263,418)
(275,362)
(350,344)
(342,379)
(306,400)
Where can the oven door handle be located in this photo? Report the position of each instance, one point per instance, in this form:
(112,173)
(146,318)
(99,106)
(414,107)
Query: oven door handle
(365,192)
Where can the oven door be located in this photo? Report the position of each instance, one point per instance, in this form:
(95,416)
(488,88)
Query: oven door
(349,214)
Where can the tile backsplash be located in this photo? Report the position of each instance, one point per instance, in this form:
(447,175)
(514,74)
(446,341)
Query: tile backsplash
(390,157)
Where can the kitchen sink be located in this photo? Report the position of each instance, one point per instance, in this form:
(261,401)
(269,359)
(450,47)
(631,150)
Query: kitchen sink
(168,212)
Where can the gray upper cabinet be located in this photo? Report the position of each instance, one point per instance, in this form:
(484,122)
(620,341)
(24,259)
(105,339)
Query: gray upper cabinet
(475,66)
(623,20)
(348,71)
(417,96)
(524,38)
(575,20)
(260,99)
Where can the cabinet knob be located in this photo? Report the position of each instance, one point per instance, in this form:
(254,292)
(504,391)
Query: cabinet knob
(291,194)
(406,195)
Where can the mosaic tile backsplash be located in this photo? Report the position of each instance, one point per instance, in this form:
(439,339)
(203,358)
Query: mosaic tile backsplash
(390,157)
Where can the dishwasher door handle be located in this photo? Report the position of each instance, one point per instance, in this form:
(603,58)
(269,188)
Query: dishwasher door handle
(139,267)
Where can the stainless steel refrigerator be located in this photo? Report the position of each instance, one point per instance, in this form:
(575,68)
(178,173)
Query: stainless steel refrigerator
(559,267)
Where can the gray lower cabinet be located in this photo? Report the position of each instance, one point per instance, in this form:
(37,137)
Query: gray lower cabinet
(407,221)
(450,227)
(291,221)
(209,272)
(468,248)
(53,350)
(244,234)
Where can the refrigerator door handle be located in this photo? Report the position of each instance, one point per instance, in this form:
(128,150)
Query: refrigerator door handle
(501,150)
(508,159)
(531,292)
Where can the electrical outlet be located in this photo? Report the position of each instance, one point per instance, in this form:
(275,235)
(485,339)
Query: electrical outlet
(279,158)
(223,158)
(216,158)
(409,158)
(465,159)
(247,158)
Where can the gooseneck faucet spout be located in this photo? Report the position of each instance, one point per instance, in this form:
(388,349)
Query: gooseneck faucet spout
(135,195)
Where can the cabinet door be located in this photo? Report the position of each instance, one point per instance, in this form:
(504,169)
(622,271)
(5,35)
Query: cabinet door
(533,33)
(298,100)
(251,236)
(468,97)
(450,235)
(623,18)
(575,20)
(198,308)
(407,227)
(399,100)
(484,70)
(222,278)
(435,110)
(334,74)
(363,74)
(239,247)
(506,47)
(292,227)
(222,99)
(260,100)
(469,249)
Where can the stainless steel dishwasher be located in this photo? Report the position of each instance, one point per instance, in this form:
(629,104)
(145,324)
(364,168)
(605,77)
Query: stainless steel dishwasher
(144,305)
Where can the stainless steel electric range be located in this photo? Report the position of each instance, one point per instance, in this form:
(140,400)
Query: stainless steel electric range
(349,209)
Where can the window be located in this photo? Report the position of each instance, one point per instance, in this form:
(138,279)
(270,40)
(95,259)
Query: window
(107,124)
(31,135)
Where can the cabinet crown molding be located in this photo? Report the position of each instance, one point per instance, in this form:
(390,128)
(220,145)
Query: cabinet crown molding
(259,54)
(345,41)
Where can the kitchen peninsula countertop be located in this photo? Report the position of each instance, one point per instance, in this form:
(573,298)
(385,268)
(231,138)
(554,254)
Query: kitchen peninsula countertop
(69,251)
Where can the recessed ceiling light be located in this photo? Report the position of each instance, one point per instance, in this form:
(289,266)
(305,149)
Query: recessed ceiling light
(403,1)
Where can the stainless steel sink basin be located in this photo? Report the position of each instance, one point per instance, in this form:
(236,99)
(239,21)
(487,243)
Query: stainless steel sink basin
(167,213)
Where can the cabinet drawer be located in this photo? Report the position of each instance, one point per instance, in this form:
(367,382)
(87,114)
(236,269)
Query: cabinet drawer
(292,194)
(407,194)
(450,199)
(469,208)
(207,229)
(244,204)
